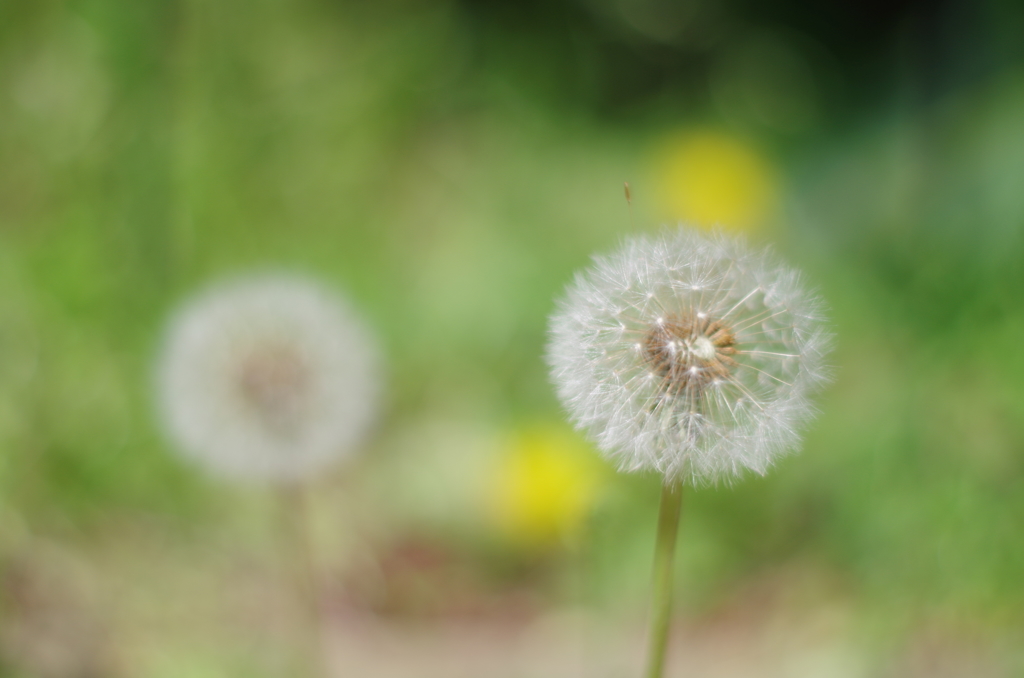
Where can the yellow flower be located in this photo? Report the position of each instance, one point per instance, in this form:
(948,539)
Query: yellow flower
(543,486)
(708,178)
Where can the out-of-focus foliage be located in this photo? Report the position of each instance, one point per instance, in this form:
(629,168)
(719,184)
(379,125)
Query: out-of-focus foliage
(449,165)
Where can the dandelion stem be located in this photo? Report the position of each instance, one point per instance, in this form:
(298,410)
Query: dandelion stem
(295,501)
(664,556)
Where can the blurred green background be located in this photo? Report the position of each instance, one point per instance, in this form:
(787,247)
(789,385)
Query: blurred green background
(448,165)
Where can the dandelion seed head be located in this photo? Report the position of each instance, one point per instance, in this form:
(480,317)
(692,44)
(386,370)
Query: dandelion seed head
(689,355)
(269,377)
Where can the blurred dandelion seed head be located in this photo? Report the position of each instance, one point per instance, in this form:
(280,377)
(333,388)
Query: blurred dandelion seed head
(708,178)
(689,355)
(267,377)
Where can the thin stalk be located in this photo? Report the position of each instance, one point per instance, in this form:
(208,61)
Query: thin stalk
(664,556)
(294,501)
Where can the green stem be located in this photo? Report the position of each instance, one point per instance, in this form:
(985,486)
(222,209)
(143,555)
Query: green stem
(664,554)
(295,501)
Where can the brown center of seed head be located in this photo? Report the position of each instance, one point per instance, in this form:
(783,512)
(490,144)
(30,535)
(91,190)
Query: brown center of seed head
(689,351)
(273,381)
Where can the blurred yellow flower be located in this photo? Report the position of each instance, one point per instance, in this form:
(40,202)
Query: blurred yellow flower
(708,178)
(543,486)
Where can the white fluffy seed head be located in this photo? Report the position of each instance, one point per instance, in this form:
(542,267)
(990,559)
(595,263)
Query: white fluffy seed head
(689,355)
(269,377)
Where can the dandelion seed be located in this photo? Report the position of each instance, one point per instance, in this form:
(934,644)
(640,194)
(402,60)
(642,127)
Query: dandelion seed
(705,367)
(267,378)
